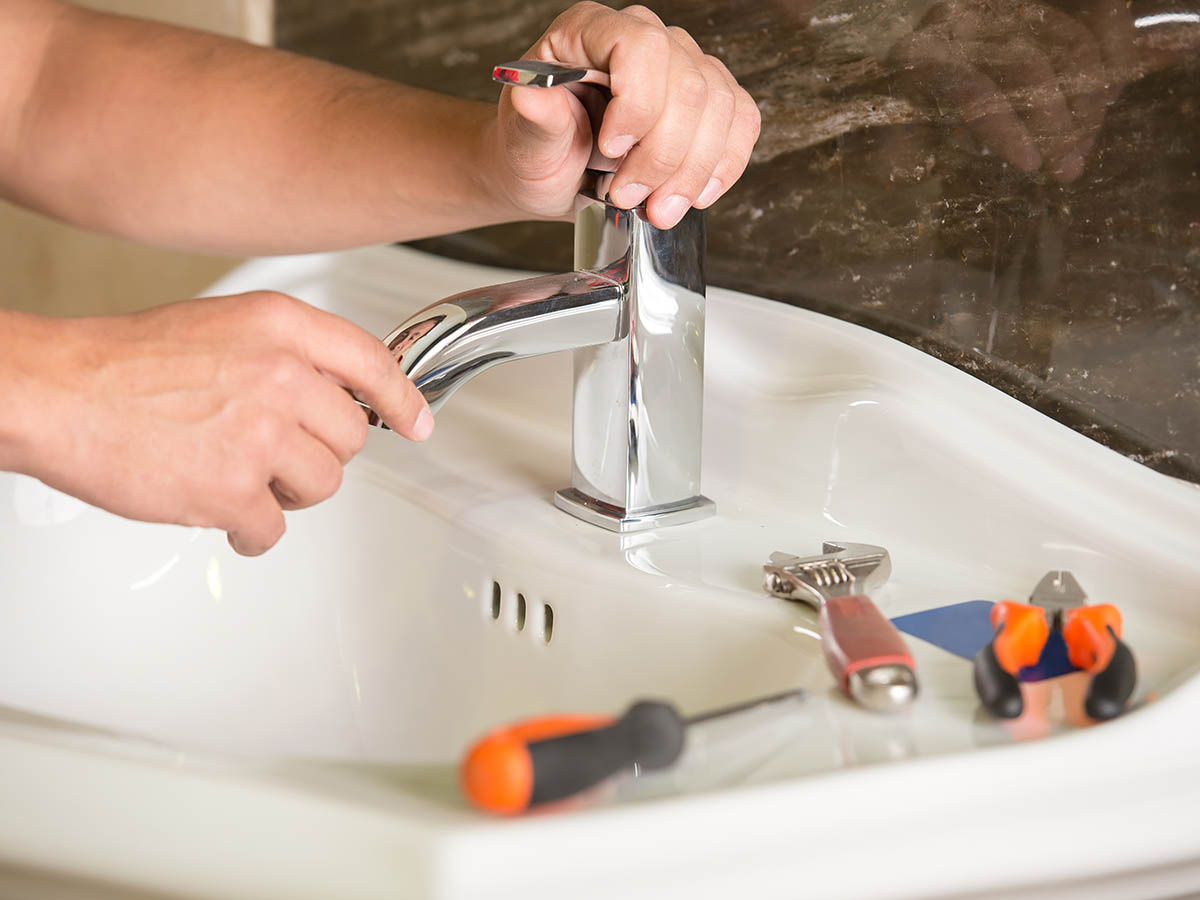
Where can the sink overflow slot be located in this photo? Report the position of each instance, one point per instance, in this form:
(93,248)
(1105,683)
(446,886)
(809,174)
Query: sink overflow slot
(522,612)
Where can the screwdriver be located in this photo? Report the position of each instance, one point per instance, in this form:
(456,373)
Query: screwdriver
(517,767)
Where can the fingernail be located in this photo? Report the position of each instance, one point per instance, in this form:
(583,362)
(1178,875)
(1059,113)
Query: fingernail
(423,427)
(672,210)
(630,195)
(618,146)
(710,193)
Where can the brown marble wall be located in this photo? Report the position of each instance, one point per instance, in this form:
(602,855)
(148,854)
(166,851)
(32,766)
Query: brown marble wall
(894,184)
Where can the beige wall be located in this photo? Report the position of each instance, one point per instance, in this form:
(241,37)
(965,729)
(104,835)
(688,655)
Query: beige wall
(248,19)
(59,270)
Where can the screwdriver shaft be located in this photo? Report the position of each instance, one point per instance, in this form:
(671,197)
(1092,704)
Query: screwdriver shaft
(797,694)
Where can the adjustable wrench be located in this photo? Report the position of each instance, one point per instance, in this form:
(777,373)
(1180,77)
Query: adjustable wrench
(863,649)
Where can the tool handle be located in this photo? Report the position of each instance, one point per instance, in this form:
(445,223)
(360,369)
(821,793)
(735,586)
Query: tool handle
(1112,686)
(857,636)
(1021,633)
(518,767)
(999,690)
(1093,637)
(539,73)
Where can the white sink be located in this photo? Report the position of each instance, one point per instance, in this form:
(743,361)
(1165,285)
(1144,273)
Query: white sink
(183,720)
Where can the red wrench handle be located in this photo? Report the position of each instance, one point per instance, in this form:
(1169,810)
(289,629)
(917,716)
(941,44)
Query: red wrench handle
(856,636)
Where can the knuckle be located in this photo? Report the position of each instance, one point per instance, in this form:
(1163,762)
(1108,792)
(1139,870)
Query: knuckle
(749,117)
(641,108)
(257,531)
(722,99)
(357,434)
(281,369)
(575,17)
(666,157)
(691,89)
(273,528)
(381,364)
(652,42)
(688,182)
(695,174)
(242,487)
(329,479)
(375,366)
(266,432)
(683,40)
(720,66)
(643,13)
(273,307)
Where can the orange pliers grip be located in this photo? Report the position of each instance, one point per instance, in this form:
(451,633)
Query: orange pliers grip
(1090,633)
(1021,633)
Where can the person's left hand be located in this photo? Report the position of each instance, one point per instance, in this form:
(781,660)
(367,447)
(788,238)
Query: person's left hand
(685,123)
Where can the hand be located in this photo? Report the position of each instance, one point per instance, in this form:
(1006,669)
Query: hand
(686,125)
(220,412)
(1031,81)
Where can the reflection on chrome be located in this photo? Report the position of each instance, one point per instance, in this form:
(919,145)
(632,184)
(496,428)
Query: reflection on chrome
(1170,18)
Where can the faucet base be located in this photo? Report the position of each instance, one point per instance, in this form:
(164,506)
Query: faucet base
(614,518)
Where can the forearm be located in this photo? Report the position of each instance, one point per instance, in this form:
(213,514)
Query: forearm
(27,349)
(185,139)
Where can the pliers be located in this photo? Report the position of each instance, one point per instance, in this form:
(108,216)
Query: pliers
(1092,635)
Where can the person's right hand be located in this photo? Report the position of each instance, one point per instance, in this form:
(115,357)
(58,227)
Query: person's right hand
(218,412)
(679,128)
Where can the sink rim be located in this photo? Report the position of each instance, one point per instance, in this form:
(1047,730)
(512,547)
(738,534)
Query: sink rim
(455,852)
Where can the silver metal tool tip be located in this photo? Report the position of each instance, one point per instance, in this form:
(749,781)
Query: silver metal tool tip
(883,688)
(1058,589)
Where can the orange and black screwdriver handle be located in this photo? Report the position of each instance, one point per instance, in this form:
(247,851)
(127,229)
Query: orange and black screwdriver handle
(1093,638)
(521,766)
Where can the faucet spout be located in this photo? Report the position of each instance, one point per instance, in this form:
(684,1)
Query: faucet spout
(633,312)
(445,345)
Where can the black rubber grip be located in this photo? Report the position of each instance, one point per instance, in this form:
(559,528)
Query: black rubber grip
(998,689)
(1112,686)
(649,735)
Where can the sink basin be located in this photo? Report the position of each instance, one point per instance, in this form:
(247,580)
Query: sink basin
(288,725)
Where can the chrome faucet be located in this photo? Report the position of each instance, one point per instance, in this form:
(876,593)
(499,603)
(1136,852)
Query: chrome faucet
(633,312)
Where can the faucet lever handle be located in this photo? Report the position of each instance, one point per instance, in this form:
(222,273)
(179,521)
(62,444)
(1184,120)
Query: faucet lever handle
(536,73)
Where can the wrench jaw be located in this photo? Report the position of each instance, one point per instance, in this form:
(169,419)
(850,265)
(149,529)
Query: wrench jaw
(799,578)
(870,565)
(780,582)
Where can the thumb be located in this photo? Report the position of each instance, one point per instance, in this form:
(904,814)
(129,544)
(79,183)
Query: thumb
(546,128)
